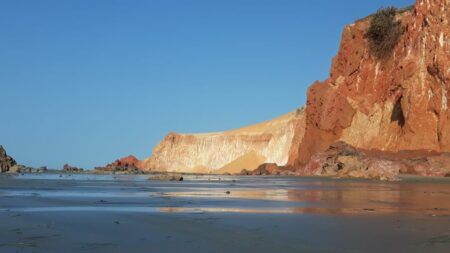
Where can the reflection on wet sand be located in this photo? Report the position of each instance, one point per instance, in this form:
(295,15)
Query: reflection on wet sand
(258,194)
(133,214)
(338,198)
(381,198)
(234,195)
(193,210)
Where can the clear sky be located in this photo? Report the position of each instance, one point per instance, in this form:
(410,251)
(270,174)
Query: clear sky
(86,82)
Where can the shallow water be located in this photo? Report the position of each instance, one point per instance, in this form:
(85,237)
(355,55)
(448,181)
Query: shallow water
(225,194)
(236,203)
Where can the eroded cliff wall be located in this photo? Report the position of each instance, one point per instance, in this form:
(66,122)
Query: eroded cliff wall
(399,103)
(230,151)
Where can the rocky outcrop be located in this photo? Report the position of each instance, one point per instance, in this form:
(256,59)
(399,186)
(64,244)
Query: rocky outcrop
(6,162)
(72,169)
(25,169)
(266,169)
(343,160)
(129,161)
(395,104)
(125,165)
(230,151)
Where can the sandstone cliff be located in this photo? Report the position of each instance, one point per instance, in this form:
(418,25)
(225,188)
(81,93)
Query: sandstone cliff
(395,104)
(230,151)
(399,103)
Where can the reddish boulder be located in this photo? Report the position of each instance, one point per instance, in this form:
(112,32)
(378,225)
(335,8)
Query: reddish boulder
(126,165)
(129,161)
(267,169)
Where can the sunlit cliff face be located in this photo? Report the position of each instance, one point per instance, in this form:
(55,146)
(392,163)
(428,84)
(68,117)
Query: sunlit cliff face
(398,103)
(227,152)
(394,104)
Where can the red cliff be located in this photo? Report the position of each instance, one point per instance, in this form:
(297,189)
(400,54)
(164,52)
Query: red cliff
(394,104)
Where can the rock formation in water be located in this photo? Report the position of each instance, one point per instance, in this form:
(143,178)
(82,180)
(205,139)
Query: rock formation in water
(394,104)
(9,165)
(125,165)
(343,160)
(6,162)
(267,169)
(129,161)
(72,169)
(230,151)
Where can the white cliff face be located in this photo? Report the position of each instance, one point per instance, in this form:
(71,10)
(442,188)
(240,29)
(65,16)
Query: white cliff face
(230,151)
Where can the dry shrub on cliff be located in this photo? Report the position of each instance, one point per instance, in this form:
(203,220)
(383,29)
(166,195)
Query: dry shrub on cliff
(384,32)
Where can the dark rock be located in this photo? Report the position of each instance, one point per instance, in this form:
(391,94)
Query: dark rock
(167,177)
(344,161)
(265,169)
(68,168)
(245,172)
(110,169)
(6,162)
(42,169)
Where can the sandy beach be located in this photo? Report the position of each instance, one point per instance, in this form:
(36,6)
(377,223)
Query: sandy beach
(105,213)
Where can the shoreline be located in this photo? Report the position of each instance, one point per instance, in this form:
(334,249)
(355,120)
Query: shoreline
(128,213)
(402,177)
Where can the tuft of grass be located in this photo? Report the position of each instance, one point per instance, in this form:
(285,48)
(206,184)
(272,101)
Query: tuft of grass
(384,32)
(406,9)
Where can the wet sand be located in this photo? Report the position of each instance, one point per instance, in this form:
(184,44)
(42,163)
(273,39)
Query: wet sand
(103,213)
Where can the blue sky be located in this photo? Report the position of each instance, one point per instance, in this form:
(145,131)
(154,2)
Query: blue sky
(86,82)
